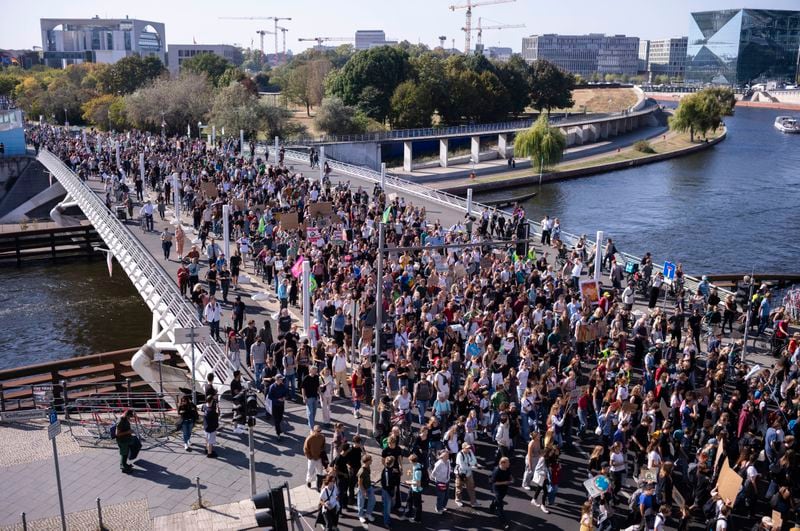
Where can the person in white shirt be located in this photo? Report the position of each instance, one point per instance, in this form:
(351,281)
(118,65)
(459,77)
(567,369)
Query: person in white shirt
(339,367)
(466,463)
(147,213)
(212,315)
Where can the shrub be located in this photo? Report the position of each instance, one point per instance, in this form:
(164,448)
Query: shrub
(643,146)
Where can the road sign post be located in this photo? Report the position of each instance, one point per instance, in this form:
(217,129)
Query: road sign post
(53,429)
(669,277)
(183,336)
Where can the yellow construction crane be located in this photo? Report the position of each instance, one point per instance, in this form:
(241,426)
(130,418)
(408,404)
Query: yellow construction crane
(468,24)
(480,29)
(275,19)
(320,40)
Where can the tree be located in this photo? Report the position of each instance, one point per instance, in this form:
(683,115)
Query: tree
(8,83)
(412,106)
(513,74)
(210,64)
(549,87)
(130,73)
(725,97)
(237,108)
(179,101)
(336,118)
(304,83)
(105,112)
(541,143)
(700,112)
(382,68)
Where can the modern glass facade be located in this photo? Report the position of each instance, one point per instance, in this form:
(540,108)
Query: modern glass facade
(743,46)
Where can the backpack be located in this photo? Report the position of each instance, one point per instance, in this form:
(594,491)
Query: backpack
(633,502)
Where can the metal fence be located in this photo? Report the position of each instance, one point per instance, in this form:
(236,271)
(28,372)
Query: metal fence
(156,286)
(91,418)
(460,204)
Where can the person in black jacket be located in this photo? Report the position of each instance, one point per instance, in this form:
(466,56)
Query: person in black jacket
(390,482)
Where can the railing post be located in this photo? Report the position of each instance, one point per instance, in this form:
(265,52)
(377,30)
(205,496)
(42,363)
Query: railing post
(24,522)
(100,516)
(2,399)
(19,252)
(128,387)
(199,495)
(64,398)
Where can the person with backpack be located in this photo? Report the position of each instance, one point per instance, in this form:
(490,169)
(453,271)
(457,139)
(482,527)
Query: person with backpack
(126,441)
(416,484)
(423,391)
(211,424)
(466,463)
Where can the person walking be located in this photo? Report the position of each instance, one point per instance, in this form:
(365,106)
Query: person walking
(466,463)
(166,242)
(180,241)
(224,276)
(258,360)
(326,394)
(277,395)
(329,503)
(366,494)
(211,424)
(440,475)
(314,449)
(212,315)
(414,506)
(390,482)
(238,314)
(500,480)
(125,440)
(309,389)
(187,411)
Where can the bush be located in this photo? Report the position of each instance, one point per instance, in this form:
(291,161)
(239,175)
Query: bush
(643,146)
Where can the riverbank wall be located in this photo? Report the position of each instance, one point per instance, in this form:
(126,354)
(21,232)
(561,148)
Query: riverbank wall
(582,172)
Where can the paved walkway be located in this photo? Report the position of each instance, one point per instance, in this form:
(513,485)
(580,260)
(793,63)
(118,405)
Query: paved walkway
(163,481)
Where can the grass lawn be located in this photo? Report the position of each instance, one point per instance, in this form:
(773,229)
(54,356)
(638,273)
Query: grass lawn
(601,100)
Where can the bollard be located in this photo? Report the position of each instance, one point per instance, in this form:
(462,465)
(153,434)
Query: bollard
(100,516)
(199,495)
(358,428)
(24,523)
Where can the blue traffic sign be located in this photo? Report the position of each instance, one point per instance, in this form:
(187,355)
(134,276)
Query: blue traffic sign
(53,417)
(669,270)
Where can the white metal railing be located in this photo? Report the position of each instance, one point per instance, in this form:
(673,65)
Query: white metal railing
(516,125)
(460,204)
(155,285)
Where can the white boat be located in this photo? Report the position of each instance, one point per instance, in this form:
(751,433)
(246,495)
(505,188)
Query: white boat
(787,124)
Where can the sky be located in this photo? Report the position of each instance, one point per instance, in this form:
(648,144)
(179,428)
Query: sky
(413,20)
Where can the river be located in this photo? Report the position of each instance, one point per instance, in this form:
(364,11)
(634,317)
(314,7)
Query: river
(54,312)
(729,209)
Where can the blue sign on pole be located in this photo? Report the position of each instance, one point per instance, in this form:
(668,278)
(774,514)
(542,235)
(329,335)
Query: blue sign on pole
(669,271)
(53,417)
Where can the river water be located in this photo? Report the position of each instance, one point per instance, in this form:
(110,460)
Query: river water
(59,311)
(729,209)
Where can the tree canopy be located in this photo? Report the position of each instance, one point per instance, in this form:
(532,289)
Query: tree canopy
(130,73)
(702,111)
(542,143)
(210,64)
(550,87)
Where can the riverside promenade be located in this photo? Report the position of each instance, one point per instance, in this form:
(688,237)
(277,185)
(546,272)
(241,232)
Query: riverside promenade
(161,491)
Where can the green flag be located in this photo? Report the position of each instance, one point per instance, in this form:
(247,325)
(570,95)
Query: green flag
(312,283)
(387,214)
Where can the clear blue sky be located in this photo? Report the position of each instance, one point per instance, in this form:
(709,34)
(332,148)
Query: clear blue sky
(413,20)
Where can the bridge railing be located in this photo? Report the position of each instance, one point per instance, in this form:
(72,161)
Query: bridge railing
(460,204)
(158,289)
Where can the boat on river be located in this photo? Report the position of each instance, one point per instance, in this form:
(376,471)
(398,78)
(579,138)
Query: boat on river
(787,124)
(510,201)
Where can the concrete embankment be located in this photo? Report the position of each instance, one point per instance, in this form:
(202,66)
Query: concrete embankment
(501,184)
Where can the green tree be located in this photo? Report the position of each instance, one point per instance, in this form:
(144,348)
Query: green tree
(210,64)
(513,74)
(8,82)
(699,113)
(130,73)
(412,106)
(541,143)
(725,97)
(104,113)
(235,108)
(661,79)
(304,83)
(549,87)
(336,118)
(382,68)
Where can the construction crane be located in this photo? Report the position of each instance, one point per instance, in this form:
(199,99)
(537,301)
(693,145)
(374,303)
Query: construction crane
(283,52)
(320,40)
(480,29)
(468,24)
(261,34)
(442,38)
(275,19)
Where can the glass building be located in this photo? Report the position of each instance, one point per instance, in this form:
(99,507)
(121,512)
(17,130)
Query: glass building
(743,46)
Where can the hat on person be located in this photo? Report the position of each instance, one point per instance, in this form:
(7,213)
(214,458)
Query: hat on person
(279,376)
(465,445)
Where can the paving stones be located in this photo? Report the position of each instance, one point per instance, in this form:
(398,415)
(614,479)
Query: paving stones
(27,442)
(128,516)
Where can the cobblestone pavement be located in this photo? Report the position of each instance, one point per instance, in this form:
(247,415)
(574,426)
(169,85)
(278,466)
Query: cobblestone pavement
(27,442)
(128,516)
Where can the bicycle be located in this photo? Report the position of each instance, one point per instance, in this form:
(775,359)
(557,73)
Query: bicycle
(400,421)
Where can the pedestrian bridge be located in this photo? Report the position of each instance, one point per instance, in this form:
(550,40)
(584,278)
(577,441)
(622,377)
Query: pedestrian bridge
(170,309)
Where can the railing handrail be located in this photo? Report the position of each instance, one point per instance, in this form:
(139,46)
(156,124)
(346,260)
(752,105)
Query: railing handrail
(454,201)
(164,298)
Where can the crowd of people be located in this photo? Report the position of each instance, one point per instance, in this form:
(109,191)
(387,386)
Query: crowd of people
(490,361)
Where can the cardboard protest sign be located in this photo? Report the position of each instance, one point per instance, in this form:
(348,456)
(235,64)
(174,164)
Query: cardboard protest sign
(596,486)
(238,204)
(648,475)
(321,210)
(288,220)
(209,189)
(729,482)
(630,407)
(590,291)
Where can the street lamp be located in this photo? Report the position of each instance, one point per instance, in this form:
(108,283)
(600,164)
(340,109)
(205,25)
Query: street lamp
(199,132)
(163,125)
(66,123)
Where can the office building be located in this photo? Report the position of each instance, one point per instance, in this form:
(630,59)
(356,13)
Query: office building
(585,55)
(366,39)
(743,46)
(644,52)
(667,57)
(178,53)
(500,53)
(95,40)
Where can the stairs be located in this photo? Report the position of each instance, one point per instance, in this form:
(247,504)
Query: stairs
(31,180)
